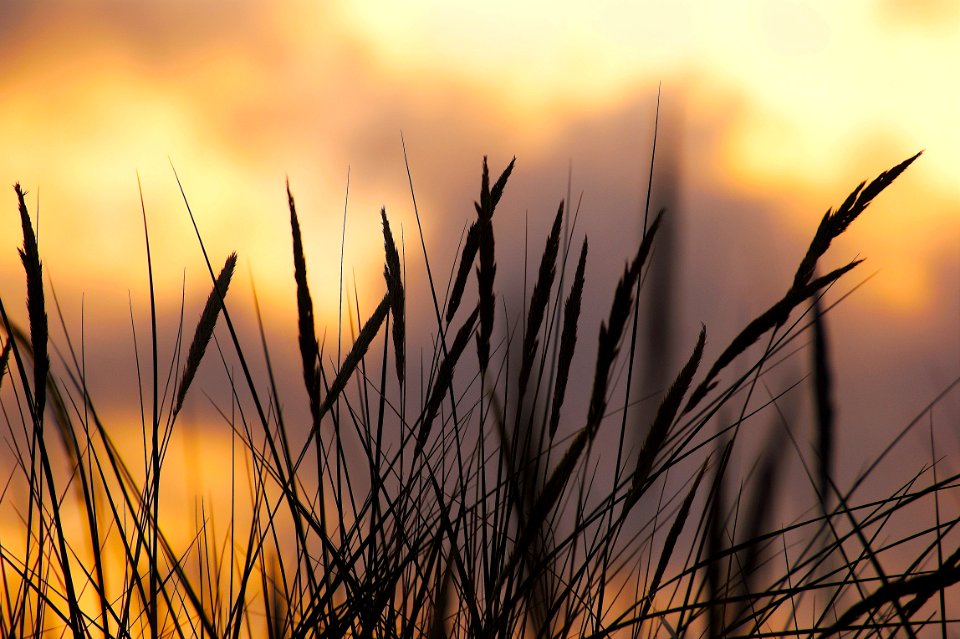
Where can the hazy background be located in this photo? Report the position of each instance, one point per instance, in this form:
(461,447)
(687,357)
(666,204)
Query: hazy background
(772,111)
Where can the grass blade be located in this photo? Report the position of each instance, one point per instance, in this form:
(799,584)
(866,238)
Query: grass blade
(823,401)
(5,359)
(568,339)
(835,223)
(670,543)
(394,279)
(539,299)
(444,378)
(612,330)
(352,360)
(309,350)
(487,271)
(204,330)
(467,257)
(30,256)
(772,318)
(664,419)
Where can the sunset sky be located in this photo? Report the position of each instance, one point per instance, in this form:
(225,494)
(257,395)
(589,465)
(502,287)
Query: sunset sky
(772,111)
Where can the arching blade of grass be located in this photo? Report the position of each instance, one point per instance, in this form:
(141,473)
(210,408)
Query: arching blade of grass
(467,256)
(204,330)
(660,428)
(834,223)
(673,535)
(443,380)
(804,285)
(352,360)
(919,587)
(772,318)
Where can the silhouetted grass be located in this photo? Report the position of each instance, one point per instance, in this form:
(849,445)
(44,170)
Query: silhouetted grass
(204,330)
(465,510)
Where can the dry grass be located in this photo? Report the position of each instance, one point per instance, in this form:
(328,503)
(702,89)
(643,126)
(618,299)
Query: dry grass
(204,330)
(482,507)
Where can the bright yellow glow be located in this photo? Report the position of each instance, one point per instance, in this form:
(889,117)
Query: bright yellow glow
(783,104)
(809,94)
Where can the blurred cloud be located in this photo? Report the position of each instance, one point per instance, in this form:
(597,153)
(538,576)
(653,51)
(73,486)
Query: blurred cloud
(925,15)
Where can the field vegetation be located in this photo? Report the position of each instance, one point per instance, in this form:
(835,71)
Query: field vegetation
(447,489)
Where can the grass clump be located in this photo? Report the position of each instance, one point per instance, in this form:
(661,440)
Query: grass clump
(477,509)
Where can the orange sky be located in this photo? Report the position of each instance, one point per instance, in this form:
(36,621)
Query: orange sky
(802,100)
(773,111)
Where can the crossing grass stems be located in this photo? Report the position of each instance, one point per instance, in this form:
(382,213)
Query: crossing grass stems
(475,509)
